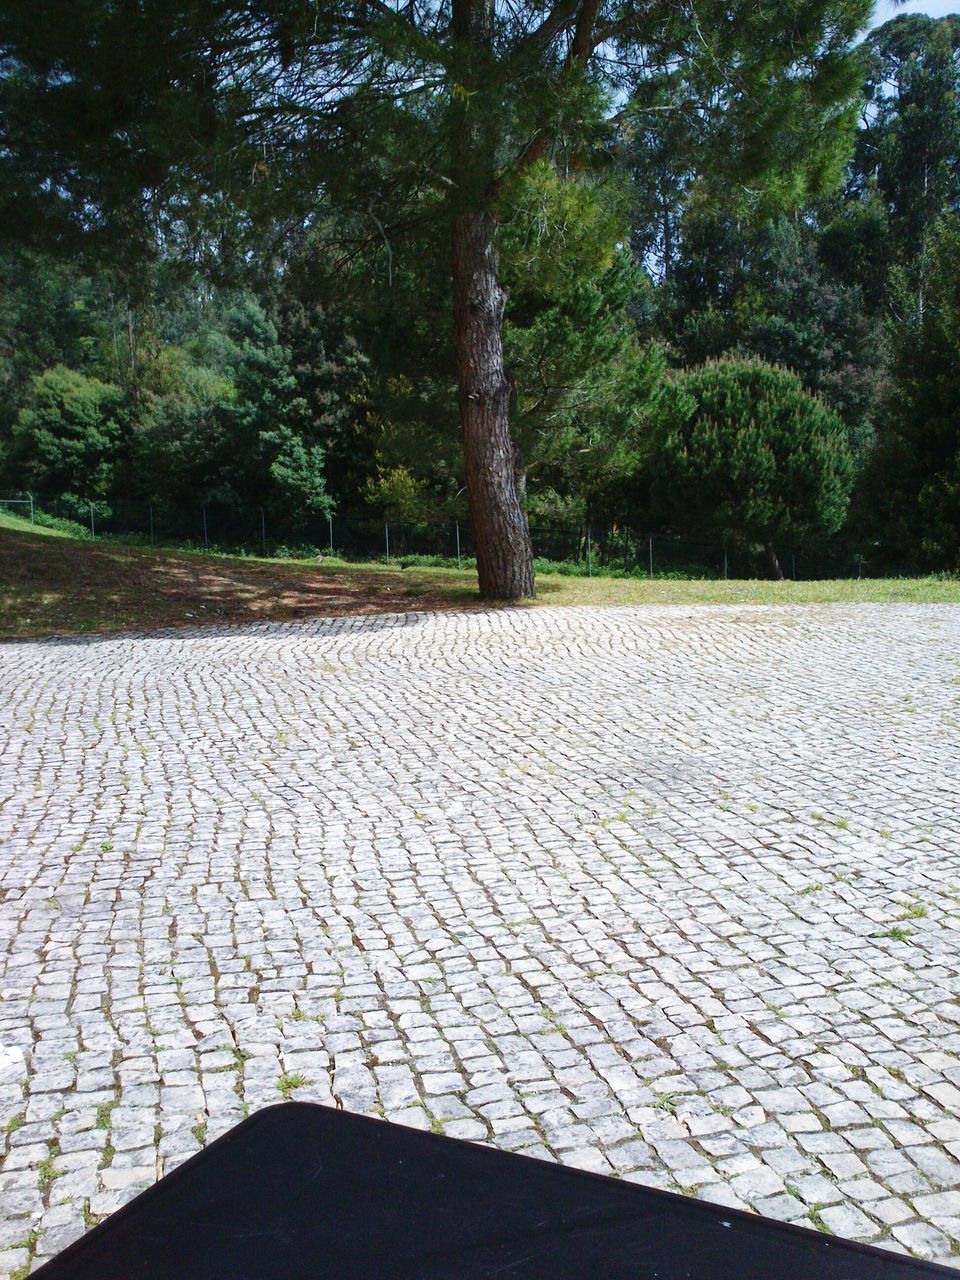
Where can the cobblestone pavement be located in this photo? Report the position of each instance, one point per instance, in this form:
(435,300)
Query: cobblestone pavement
(669,893)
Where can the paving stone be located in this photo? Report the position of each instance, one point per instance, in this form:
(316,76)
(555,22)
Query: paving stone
(817,1190)
(591,1158)
(944,1205)
(923,1240)
(846,1220)
(757,1183)
(525,875)
(722,1193)
(890,1211)
(782,1208)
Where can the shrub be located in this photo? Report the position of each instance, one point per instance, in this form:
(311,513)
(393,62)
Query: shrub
(745,454)
(72,527)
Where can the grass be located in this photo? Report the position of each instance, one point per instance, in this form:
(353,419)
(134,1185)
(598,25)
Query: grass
(897,933)
(103,1114)
(46,1173)
(290,1081)
(8,521)
(666,1102)
(51,584)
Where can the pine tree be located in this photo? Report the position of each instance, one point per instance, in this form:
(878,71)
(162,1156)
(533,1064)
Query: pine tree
(916,473)
(747,454)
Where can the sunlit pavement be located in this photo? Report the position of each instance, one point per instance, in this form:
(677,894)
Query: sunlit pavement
(671,893)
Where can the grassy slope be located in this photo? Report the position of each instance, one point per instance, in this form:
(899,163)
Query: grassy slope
(55,585)
(8,521)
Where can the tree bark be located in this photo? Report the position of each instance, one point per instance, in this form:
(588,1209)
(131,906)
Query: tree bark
(774,562)
(500,531)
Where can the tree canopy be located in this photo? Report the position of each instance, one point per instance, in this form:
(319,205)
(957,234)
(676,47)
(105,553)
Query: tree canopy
(216,127)
(401,266)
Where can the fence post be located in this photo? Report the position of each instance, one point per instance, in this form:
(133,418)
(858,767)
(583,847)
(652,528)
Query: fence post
(589,556)
(725,567)
(386,534)
(793,565)
(330,530)
(263,531)
(93,529)
(150,505)
(30,496)
(206,541)
(650,548)
(459,565)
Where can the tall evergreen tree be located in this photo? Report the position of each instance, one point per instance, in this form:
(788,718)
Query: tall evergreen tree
(916,472)
(908,147)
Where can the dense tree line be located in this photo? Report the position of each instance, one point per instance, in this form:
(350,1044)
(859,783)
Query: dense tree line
(709,326)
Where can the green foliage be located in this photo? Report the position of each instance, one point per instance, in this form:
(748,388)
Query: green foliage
(819,328)
(223,421)
(140,130)
(909,147)
(48,316)
(745,453)
(584,382)
(768,292)
(290,1081)
(399,496)
(917,468)
(331,373)
(66,436)
(262,314)
(749,108)
(146,100)
(553,226)
(856,249)
(266,422)
(581,376)
(182,445)
(60,524)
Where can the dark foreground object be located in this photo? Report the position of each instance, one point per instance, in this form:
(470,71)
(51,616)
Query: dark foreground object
(300,1192)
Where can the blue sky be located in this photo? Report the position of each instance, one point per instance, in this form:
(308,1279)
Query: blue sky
(884,10)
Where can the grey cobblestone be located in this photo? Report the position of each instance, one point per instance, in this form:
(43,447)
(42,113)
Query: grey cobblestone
(670,893)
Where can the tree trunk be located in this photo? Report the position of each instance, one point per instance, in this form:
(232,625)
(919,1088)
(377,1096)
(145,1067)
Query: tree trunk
(774,562)
(500,531)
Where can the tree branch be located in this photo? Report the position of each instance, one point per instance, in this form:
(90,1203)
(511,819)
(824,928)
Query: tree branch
(583,42)
(560,16)
(578,55)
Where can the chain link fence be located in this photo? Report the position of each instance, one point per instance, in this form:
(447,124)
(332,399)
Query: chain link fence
(230,528)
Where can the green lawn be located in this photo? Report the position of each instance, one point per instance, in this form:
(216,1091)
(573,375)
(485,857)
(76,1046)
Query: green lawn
(52,584)
(574,591)
(9,521)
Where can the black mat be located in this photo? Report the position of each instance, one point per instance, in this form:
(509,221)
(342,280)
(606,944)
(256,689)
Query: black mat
(300,1192)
